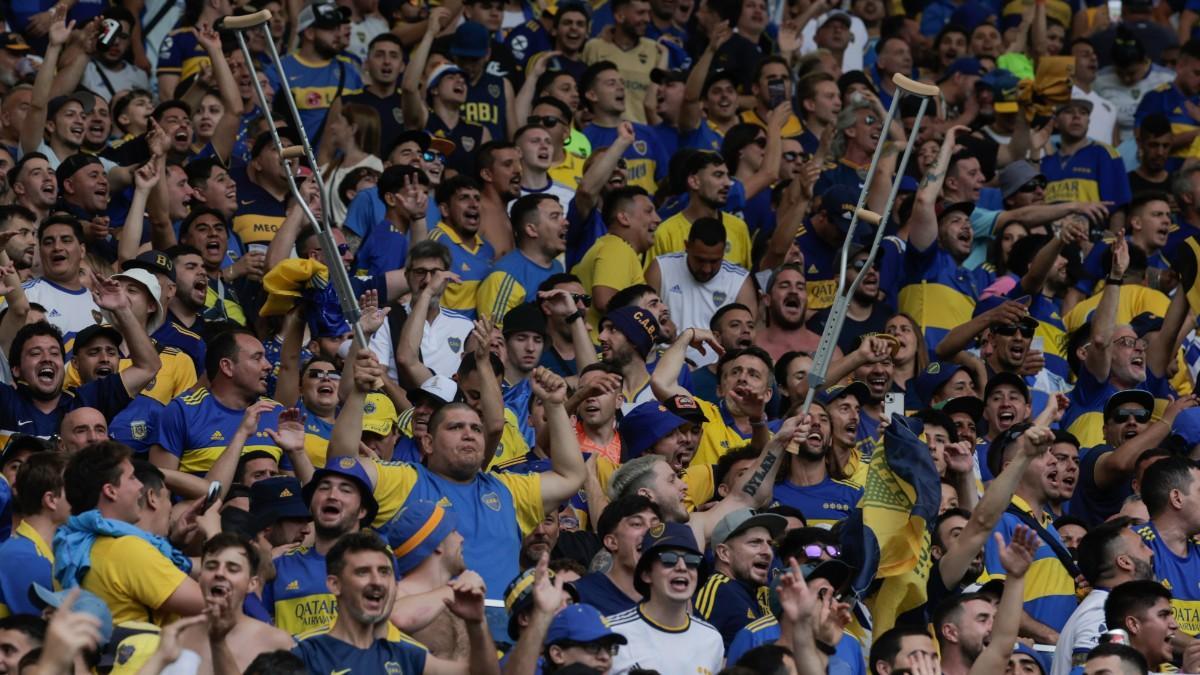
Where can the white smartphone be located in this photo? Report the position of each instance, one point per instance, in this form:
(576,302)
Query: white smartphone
(214,489)
(1038,344)
(893,404)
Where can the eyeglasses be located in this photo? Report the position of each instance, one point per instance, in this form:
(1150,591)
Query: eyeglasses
(342,249)
(1131,343)
(424,271)
(672,558)
(592,648)
(814,551)
(1011,329)
(1122,415)
(583,298)
(838,596)
(545,121)
(331,375)
(1038,183)
(430,156)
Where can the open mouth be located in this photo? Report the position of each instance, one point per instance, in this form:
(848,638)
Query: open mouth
(325,390)
(76,129)
(182,136)
(1017,351)
(1130,432)
(49,189)
(1138,361)
(471,217)
(852,427)
(57,258)
(878,383)
(213,246)
(1006,417)
(219,590)
(102,192)
(792,301)
(104,371)
(96,127)
(680,583)
(46,374)
(761,566)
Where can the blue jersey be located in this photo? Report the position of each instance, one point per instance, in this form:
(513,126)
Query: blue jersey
(526,40)
(1085,415)
(939,293)
(516,398)
(297,597)
(821,267)
(314,86)
(196,427)
(137,425)
(18,414)
(847,658)
(467,137)
(327,654)
(842,173)
(1049,587)
(645,159)
(1167,100)
(471,261)
(514,280)
(1094,173)
(384,249)
(823,504)
(181,54)
(25,559)
(487,105)
(1179,575)
(173,334)
(729,604)
(1092,504)
(597,590)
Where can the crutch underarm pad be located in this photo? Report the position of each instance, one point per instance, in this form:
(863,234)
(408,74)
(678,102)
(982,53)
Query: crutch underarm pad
(913,87)
(292,151)
(869,216)
(243,22)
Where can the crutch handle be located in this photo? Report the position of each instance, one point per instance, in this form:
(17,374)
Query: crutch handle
(243,22)
(913,87)
(292,152)
(869,216)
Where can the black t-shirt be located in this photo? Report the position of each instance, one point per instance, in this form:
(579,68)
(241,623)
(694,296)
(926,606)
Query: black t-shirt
(1138,184)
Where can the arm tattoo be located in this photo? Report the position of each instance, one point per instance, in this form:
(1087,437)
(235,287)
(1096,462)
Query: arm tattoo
(751,487)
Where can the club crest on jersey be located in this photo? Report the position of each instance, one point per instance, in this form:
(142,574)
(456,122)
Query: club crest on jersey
(494,90)
(640,147)
(313,99)
(491,500)
(719,297)
(138,429)
(398,115)
(455,344)
(468,143)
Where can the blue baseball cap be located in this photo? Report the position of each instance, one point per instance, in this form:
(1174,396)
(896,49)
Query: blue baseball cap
(966,65)
(638,326)
(87,603)
(1144,323)
(346,467)
(581,623)
(281,496)
(1187,426)
(470,41)
(645,425)
(932,378)
(676,536)
(416,531)
(856,389)
(1020,648)
(838,202)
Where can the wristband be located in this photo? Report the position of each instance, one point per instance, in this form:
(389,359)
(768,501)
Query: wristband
(827,649)
(572,318)
(762,422)
(1114,282)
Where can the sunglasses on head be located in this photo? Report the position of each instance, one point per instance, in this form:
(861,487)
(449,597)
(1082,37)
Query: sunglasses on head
(583,298)
(1037,183)
(546,121)
(672,558)
(1011,329)
(431,156)
(1122,415)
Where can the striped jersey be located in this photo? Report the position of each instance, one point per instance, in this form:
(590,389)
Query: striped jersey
(314,86)
(196,427)
(471,261)
(729,604)
(181,54)
(514,280)
(1179,575)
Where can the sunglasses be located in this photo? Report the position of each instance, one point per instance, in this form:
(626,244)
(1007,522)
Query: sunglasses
(430,156)
(1011,329)
(583,298)
(592,648)
(1038,183)
(1122,415)
(858,265)
(791,156)
(814,551)
(331,375)
(870,119)
(343,249)
(546,121)
(1131,343)
(672,558)
(838,596)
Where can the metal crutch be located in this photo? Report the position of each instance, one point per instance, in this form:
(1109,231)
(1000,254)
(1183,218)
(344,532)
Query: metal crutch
(837,313)
(337,270)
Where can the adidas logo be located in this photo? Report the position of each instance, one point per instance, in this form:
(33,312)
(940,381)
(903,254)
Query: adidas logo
(676,289)
(217,436)
(444,503)
(286,493)
(812,269)
(293,586)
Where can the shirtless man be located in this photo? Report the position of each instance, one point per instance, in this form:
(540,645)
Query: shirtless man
(228,572)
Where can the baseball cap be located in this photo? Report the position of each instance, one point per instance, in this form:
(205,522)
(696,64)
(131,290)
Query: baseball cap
(839,202)
(265,140)
(379,414)
(970,405)
(715,76)
(439,388)
(73,164)
(995,451)
(86,603)
(1026,650)
(84,337)
(932,378)
(1135,396)
(737,522)
(415,532)
(426,141)
(322,15)
(1003,378)
(1014,176)
(346,467)
(19,442)
(950,207)
(1146,322)
(966,65)
(13,42)
(581,623)
(470,41)
(1074,103)
(440,72)
(638,326)
(518,597)
(526,317)
(645,425)
(152,261)
(835,15)
(663,536)
(835,571)
(1004,89)
(82,98)
(1187,426)
(686,407)
(661,76)
(856,389)
(147,279)
(280,497)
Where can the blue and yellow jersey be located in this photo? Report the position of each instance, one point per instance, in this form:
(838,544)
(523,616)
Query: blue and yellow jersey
(820,267)
(196,428)
(298,598)
(137,425)
(467,137)
(25,559)
(671,236)
(512,443)
(939,293)
(471,261)
(322,653)
(1094,173)
(181,54)
(384,249)
(720,434)
(792,127)
(1179,575)
(1084,417)
(610,262)
(514,280)
(531,463)
(1133,300)
(314,85)
(516,399)
(764,631)
(729,604)
(570,171)
(172,334)
(487,105)
(221,302)
(1049,587)
(176,376)
(646,160)
(1167,100)
(259,214)
(823,504)
(702,137)
(493,511)
(317,433)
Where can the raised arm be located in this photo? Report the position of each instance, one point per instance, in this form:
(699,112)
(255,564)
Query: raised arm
(960,337)
(231,119)
(523,104)
(366,374)
(765,177)
(289,438)
(409,366)
(144,180)
(567,470)
(562,305)
(1112,467)
(467,604)
(224,469)
(412,95)
(597,175)
(1098,359)
(547,599)
(664,381)
(14,295)
(33,129)
(793,209)
(287,382)
(691,116)
(1016,557)
(1164,346)
(923,224)
(491,400)
(109,295)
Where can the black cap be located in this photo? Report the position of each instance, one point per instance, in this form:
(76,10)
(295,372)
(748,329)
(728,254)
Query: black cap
(995,454)
(718,75)
(19,442)
(1136,396)
(526,317)
(687,408)
(73,164)
(1011,379)
(83,98)
(660,76)
(264,140)
(84,337)
(152,261)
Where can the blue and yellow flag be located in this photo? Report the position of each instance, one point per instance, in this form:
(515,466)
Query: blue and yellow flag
(305,281)
(887,537)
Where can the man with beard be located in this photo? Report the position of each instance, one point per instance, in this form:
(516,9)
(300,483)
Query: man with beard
(429,556)
(433,337)
(460,202)
(384,65)
(183,323)
(340,500)
(1153,137)
(524,339)
(708,184)
(34,185)
(205,230)
(361,576)
(318,74)
(734,327)
(195,428)
(865,314)
(628,50)
(612,263)
(626,337)
(1050,594)
(1171,491)
(541,236)
(537,157)
(1109,555)
(22,246)
(228,574)
(285,518)
(787,301)
(742,554)
(500,174)
(807,484)
(697,282)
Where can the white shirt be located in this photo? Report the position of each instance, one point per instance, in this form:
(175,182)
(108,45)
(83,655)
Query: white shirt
(696,649)
(129,77)
(1126,99)
(333,182)
(1081,632)
(363,32)
(852,59)
(565,194)
(69,311)
(443,340)
(1103,119)
(692,303)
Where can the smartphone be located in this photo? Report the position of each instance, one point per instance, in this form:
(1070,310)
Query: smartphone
(214,489)
(776,92)
(1038,344)
(893,404)
(108,33)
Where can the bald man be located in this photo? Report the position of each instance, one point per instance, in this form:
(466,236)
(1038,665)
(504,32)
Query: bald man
(81,427)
